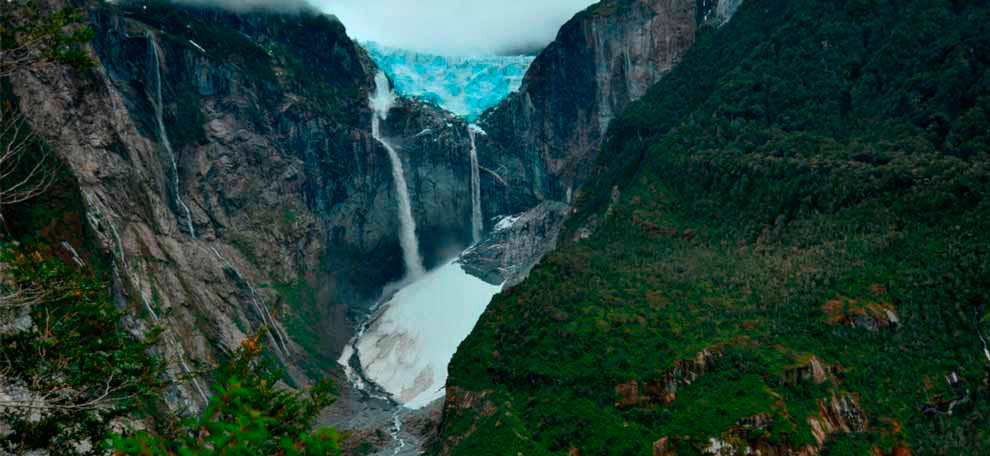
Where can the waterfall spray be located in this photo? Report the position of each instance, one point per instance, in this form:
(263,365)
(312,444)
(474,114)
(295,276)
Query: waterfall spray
(163,133)
(381,102)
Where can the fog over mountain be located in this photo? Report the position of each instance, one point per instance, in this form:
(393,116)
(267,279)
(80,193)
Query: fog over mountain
(445,27)
(248,5)
(455,27)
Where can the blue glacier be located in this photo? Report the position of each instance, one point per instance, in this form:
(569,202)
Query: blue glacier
(466,86)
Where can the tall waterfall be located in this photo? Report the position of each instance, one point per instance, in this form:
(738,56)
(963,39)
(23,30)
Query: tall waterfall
(381,102)
(476,220)
(163,133)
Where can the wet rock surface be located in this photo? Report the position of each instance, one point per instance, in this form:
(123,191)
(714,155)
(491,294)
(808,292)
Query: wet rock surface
(548,133)
(516,244)
(372,424)
(291,218)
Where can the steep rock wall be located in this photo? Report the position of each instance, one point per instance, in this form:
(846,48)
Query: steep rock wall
(291,220)
(547,135)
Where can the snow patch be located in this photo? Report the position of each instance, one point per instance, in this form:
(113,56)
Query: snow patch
(506,222)
(197,46)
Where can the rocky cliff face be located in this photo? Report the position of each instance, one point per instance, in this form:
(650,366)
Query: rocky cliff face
(603,59)
(516,244)
(435,148)
(225,161)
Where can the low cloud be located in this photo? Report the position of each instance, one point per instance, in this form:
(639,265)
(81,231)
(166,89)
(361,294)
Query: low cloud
(291,6)
(448,27)
(455,27)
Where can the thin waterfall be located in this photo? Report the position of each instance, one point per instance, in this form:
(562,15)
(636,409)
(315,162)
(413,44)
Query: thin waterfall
(381,102)
(275,334)
(163,133)
(476,219)
(125,268)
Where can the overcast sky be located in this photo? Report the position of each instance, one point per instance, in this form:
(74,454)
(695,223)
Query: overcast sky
(455,27)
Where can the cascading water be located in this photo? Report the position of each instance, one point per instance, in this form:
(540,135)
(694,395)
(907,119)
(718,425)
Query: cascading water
(381,102)
(163,133)
(275,334)
(396,432)
(99,209)
(476,219)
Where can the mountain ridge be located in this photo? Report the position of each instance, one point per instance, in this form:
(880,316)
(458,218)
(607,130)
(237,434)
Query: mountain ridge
(768,258)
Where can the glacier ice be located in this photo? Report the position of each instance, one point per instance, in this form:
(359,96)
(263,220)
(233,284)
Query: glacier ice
(406,349)
(466,86)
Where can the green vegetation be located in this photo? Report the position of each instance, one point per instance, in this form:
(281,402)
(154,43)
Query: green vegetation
(305,323)
(77,364)
(223,44)
(806,169)
(295,54)
(248,414)
(73,374)
(31,36)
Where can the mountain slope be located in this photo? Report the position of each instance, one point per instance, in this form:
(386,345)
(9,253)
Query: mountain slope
(601,60)
(783,248)
(224,162)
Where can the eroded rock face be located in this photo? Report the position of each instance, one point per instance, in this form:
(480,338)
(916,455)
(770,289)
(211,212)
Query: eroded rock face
(604,58)
(662,447)
(434,145)
(664,390)
(839,414)
(461,401)
(516,244)
(291,219)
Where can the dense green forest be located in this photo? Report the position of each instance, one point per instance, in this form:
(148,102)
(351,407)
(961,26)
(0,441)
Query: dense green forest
(800,229)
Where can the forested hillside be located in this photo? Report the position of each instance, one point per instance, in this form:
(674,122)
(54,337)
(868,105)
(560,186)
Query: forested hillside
(784,248)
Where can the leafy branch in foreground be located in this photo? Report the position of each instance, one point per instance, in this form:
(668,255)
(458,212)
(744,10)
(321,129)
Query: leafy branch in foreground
(69,368)
(249,414)
(30,36)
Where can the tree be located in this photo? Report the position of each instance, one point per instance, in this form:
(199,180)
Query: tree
(31,37)
(22,176)
(71,373)
(249,414)
(69,366)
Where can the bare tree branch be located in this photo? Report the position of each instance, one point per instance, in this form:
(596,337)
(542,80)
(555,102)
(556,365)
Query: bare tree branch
(22,177)
(105,398)
(33,36)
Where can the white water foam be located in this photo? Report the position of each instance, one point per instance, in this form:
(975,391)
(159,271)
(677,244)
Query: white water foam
(477,225)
